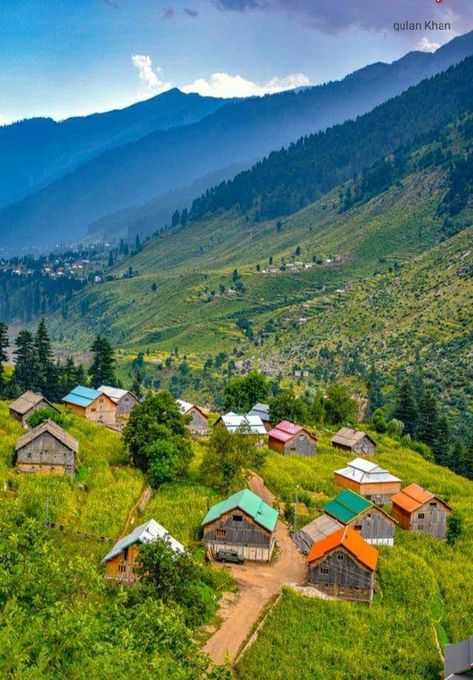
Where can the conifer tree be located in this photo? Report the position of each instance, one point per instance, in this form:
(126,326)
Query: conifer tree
(429,419)
(25,375)
(375,395)
(102,370)
(406,409)
(4,345)
(47,378)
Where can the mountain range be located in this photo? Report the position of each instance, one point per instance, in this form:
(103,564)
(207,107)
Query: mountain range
(113,165)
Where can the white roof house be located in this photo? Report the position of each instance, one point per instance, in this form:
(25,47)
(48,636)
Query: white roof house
(114,393)
(184,406)
(241,423)
(364,471)
(145,533)
(261,410)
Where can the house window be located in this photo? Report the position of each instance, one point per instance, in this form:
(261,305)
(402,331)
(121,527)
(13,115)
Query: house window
(221,533)
(237,518)
(324,570)
(93,409)
(358,527)
(121,568)
(421,515)
(125,555)
(339,556)
(433,505)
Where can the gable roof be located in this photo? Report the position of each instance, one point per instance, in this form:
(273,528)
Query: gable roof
(347,506)
(458,659)
(82,396)
(234,423)
(186,406)
(145,533)
(347,436)
(284,431)
(115,393)
(27,401)
(249,503)
(365,472)
(261,410)
(54,430)
(351,541)
(413,497)
(315,531)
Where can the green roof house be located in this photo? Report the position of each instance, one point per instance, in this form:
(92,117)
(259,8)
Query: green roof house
(242,523)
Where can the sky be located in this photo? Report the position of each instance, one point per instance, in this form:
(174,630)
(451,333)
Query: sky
(73,57)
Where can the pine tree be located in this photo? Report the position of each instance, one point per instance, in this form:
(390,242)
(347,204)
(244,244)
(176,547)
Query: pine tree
(406,409)
(47,379)
(102,370)
(25,375)
(375,395)
(4,345)
(441,448)
(137,385)
(429,419)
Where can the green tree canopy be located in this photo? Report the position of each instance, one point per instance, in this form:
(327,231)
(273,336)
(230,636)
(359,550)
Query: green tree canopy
(242,393)
(102,370)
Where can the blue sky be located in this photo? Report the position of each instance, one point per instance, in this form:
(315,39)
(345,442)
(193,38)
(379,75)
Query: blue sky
(72,57)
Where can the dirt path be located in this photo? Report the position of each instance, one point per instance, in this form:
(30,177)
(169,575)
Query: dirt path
(258,583)
(139,505)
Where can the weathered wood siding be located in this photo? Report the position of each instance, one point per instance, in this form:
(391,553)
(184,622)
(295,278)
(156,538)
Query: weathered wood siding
(430,518)
(302,444)
(375,527)
(340,575)
(102,410)
(244,535)
(380,493)
(365,447)
(125,405)
(199,423)
(122,568)
(46,454)
(23,419)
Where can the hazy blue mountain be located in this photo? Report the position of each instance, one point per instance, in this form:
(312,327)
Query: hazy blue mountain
(137,172)
(38,150)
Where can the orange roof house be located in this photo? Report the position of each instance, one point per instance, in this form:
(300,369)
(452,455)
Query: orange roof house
(343,565)
(419,510)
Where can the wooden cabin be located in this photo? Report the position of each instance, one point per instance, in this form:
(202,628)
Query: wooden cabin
(458,662)
(419,510)
(120,562)
(124,400)
(199,419)
(248,425)
(29,402)
(289,439)
(362,515)
(47,449)
(243,523)
(368,480)
(262,411)
(91,404)
(315,531)
(343,565)
(357,441)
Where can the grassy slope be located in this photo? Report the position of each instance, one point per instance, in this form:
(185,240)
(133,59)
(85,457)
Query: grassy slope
(419,578)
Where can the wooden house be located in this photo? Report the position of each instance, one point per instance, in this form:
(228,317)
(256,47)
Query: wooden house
(243,523)
(47,449)
(343,565)
(315,531)
(289,439)
(357,441)
(124,400)
(199,419)
(419,510)
(91,404)
(29,402)
(458,663)
(120,562)
(243,424)
(262,411)
(368,480)
(362,515)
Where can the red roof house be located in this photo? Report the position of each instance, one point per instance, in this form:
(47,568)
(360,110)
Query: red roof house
(289,438)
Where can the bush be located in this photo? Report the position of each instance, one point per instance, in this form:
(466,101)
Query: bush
(42,414)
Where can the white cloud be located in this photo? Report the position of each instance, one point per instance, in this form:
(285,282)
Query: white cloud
(4,120)
(427,45)
(149,77)
(225,85)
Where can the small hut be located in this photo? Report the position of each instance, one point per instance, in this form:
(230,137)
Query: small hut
(120,562)
(419,510)
(24,406)
(459,660)
(243,523)
(368,480)
(315,531)
(262,411)
(199,419)
(47,449)
(289,439)
(124,400)
(362,515)
(357,441)
(343,565)
(91,404)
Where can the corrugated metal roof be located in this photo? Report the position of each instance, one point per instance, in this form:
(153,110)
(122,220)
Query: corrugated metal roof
(315,531)
(347,436)
(284,431)
(261,410)
(413,497)
(248,502)
(238,423)
(351,541)
(184,406)
(145,533)
(82,396)
(115,393)
(54,430)
(365,472)
(347,506)
(458,659)
(27,401)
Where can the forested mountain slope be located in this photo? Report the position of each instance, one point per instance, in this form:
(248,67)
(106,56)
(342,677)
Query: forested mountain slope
(38,150)
(137,172)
